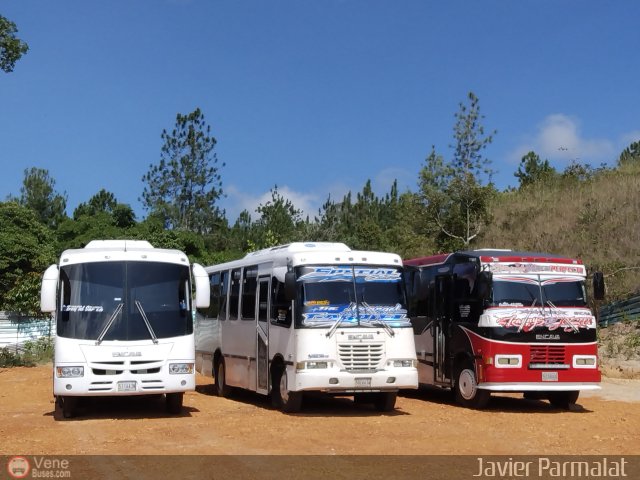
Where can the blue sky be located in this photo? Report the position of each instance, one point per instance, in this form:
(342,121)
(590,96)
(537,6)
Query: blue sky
(314,96)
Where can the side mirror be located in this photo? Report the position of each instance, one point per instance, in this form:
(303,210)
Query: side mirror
(290,286)
(49,289)
(483,286)
(201,279)
(598,286)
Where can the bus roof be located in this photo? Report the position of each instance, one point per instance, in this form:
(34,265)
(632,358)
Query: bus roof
(121,250)
(495,256)
(311,253)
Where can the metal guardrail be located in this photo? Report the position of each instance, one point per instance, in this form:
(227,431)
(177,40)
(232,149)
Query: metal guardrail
(15,330)
(615,312)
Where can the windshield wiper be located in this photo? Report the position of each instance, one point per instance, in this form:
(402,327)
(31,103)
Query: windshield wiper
(377,322)
(558,313)
(146,321)
(342,316)
(112,319)
(526,320)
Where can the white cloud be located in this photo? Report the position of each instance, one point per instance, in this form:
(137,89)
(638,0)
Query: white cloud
(309,202)
(558,137)
(237,201)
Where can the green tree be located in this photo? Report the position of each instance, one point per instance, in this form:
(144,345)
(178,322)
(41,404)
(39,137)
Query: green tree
(370,222)
(185,186)
(11,47)
(25,252)
(630,155)
(280,221)
(38,193)
(122,214)
(77,233)
(532,169)
(456,199)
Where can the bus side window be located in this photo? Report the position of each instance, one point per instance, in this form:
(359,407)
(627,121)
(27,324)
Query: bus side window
(234,297)
(224,291)
(214,303)
(280,307)
(249,288)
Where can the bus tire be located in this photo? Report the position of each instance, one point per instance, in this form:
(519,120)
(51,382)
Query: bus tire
(69,405)
(385,401)
(283,398)
(563,400)
(466,389)
(222,389)
(363,398)
(174,402)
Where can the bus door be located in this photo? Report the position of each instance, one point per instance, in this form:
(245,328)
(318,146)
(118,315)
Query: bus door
(262,335)
(440,329)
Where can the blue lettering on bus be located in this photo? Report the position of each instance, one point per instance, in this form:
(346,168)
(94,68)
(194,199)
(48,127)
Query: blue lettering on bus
(346,274)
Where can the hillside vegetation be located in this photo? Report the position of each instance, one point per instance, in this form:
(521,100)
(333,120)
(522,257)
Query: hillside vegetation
(595,219)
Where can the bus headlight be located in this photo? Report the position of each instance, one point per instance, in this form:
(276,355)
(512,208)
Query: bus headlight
(180,368)
(584,361)
(311,365)
(508,361)
(69,372)
(402,363)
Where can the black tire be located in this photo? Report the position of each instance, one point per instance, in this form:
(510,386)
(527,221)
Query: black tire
(385,401)
(363,398)
(174,402)
(465,388)
(534,395)
(222,389)
(563,400)
(69,405)
(283,398)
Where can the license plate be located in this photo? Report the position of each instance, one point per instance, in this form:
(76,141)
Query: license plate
(363,382)
(126,386)
(549,376)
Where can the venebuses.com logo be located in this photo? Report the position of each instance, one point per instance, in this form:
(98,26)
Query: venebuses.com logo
(38,467)
(18,467)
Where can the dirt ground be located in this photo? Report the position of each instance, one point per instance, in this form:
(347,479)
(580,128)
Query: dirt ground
(424,422)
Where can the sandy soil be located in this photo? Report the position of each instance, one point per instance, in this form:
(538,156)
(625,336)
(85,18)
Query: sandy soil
(425,422)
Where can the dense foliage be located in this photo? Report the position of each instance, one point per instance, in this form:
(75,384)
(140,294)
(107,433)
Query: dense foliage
(585,212)
(11,47)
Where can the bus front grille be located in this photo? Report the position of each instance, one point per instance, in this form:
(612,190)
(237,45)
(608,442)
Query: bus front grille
(547,356)
(360,357)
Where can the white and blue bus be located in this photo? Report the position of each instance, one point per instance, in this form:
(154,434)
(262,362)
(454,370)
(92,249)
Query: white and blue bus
(308,317)
(124,322)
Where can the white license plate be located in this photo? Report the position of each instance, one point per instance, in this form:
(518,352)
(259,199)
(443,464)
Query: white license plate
(363,382)
(549,376)
(126,386)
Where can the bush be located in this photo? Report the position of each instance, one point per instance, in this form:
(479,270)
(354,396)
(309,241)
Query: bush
(29,354)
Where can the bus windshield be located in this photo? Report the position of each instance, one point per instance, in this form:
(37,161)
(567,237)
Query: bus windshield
(351,295)
(532,291)
(110,300)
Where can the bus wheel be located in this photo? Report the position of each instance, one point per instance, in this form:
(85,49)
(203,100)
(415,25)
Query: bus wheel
(283,398)
(222,389)
(385,401)
(363,398)
(174,402)
(69,405)
(466,389)
(563,399)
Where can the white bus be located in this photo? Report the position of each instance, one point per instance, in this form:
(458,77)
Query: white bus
(308,317)
(124,321)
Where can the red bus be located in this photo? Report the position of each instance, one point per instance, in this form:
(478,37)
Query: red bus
(501,321)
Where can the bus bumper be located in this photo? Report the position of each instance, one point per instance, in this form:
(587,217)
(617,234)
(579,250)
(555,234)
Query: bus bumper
(537,387)
(125,383)
(349,382)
